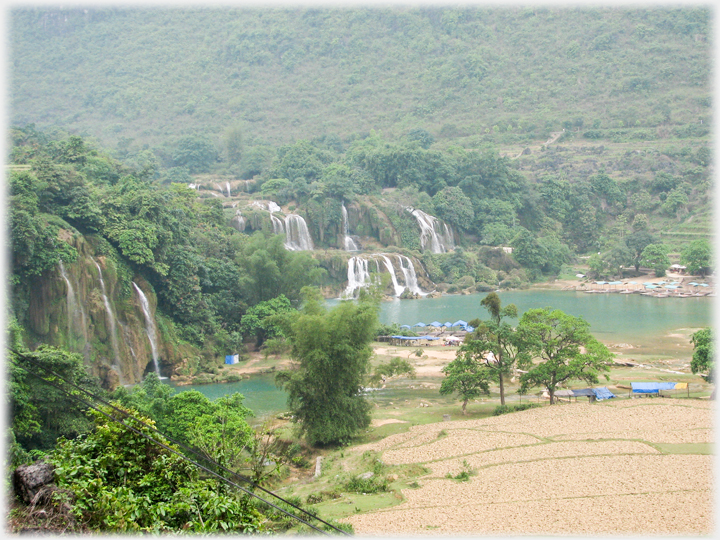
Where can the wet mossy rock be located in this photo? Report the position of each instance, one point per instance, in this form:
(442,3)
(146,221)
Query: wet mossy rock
(71,307)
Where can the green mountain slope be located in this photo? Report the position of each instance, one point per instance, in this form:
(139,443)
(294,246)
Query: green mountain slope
(507,76)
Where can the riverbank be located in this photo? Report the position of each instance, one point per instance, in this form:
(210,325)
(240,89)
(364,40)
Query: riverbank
(672,285)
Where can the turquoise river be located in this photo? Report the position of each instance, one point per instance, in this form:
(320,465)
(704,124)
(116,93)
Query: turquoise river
(655,327)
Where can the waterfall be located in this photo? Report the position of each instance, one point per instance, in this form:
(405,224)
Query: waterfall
(350,244)
(193,186)
(410,275)
(449,237)
(238,221)
(111,321)
(277,224)
(297,236)
(74,309)
(273,207)
(227,185)
(388,264)
(149,328)
(430,238)
(359,275)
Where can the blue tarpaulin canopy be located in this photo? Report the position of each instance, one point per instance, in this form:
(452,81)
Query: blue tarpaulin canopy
(419,324)
(435,324)
(405,326)
(603,393)
(459,322)
(651,387)
(447,324)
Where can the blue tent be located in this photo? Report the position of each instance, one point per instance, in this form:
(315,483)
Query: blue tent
(459,322)
(602,392)
(405,326)
(447,324)
(469,328)
(435,324)
(419,324)
(651,387)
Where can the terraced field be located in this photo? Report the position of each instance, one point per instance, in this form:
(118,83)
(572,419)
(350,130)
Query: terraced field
(630,466)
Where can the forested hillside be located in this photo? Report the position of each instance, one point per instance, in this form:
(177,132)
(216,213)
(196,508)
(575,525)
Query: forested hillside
(468,75)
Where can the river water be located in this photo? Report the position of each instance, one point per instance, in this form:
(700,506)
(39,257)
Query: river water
(642,321)
(653,326)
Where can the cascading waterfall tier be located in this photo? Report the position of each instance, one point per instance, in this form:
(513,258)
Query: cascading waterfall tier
(150,328)
(297,235)
(434,237)
(349,242)
(401,269)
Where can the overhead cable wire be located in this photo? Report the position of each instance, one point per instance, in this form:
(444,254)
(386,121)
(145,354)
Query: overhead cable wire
(181,445)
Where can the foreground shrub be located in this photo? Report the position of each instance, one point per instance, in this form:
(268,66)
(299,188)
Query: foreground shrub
(504,409)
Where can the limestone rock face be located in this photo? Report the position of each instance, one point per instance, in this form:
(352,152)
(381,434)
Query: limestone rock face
(90,307)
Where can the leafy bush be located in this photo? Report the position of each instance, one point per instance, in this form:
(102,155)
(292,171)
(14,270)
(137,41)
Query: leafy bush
(504,409)
(121,481)
(367,485)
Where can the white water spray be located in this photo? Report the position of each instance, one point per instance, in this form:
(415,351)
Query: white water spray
(350,244)
(74,308)
(297,235)
(150,329)
(431,238)
(111,321)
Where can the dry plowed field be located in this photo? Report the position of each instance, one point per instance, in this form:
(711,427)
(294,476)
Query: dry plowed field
(570,469)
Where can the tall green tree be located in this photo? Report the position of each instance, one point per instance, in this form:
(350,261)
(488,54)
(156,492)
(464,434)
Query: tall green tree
(697,256)
(332,348)
(703,359)
(497,337)
(656,257)
(563,348)
(637,242)
(467,376)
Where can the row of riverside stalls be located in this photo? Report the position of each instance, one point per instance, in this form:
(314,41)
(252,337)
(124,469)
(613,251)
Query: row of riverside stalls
(435,333)
(637,389)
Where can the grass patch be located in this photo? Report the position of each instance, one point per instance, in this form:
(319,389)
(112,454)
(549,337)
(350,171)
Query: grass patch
(703,449)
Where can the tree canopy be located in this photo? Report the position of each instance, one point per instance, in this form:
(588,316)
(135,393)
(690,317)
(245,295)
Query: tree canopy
(562,350)
(332,349)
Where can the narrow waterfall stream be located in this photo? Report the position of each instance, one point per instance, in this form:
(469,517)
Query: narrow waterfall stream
(150,329)
(77,320)
(349,243)
(111,323)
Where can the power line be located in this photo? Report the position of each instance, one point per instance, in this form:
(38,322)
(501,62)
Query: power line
(126,414)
